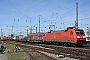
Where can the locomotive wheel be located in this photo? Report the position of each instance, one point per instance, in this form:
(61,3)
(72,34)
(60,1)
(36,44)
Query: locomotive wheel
(79,45)
(65,44)
(72,45)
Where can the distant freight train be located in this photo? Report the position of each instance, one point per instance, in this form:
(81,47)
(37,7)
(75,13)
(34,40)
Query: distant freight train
(71,36)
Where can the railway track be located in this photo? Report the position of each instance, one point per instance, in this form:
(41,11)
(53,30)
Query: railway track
(72,52)
(34,53)
(75,53)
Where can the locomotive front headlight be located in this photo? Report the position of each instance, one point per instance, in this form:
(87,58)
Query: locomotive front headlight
(78,36)
(84,37)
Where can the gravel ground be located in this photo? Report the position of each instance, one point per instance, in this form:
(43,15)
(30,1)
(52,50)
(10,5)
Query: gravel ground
(58,57)
(2,56)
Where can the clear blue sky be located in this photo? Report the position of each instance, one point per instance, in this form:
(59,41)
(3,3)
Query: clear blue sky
(61,13)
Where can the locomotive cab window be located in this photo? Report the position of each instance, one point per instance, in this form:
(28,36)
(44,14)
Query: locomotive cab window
(79,32)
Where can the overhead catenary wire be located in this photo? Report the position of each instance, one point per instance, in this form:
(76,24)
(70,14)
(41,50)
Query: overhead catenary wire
(52,9)
(59,17)
(36,5)
(27,16)
(71,10)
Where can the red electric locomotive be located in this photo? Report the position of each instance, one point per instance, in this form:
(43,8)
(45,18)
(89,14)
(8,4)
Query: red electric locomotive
(70,36)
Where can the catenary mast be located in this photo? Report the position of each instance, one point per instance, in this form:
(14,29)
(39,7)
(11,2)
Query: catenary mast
(76,22)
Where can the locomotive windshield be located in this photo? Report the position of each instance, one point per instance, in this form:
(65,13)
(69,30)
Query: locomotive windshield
(79,31)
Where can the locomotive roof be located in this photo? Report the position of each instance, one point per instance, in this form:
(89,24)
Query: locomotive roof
(63,30)
(57,31)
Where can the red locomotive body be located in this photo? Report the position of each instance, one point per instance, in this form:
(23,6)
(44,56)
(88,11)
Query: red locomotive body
(67,37)
(75,36)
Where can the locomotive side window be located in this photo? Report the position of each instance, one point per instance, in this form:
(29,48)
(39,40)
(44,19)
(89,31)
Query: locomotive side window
(71,33)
